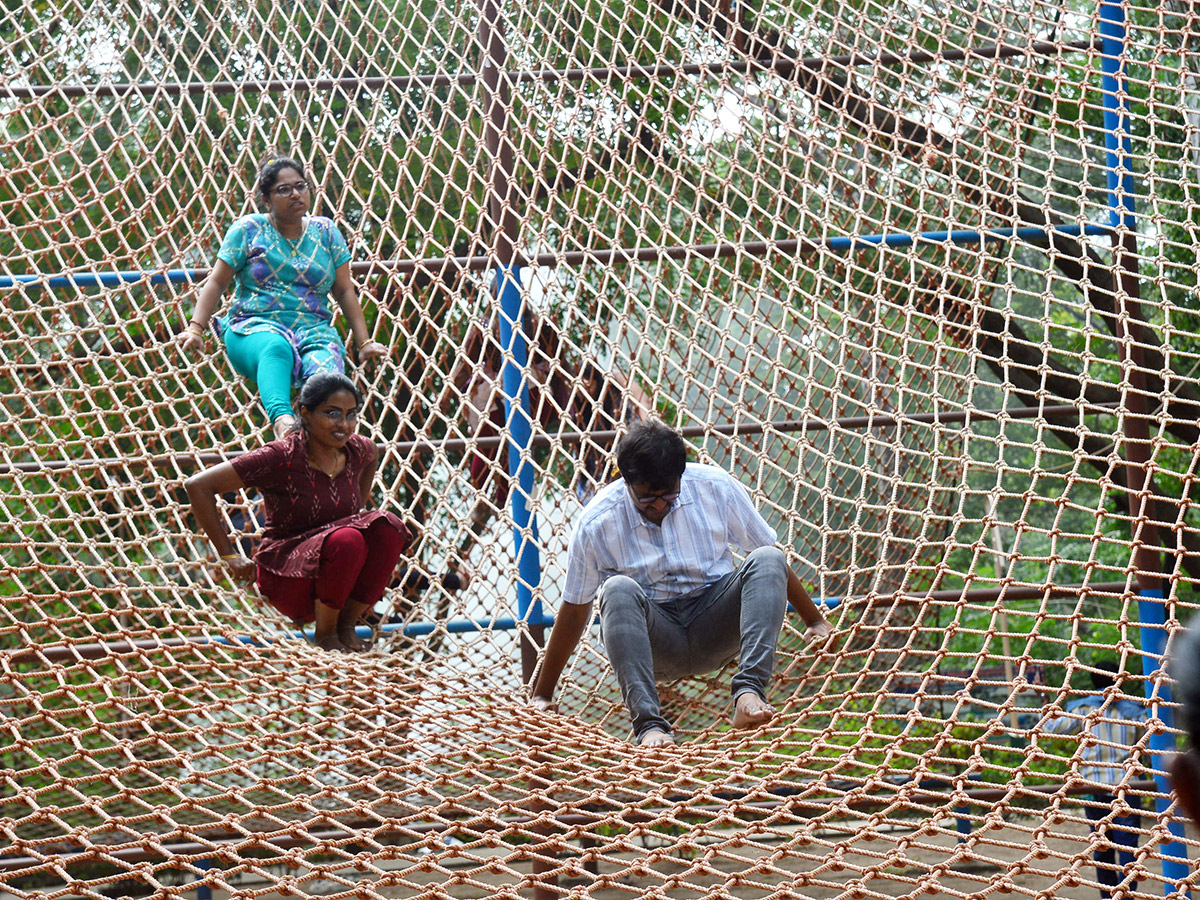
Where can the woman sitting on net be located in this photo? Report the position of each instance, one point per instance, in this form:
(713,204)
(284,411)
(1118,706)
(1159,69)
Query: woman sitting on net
(323,557)
(285,263)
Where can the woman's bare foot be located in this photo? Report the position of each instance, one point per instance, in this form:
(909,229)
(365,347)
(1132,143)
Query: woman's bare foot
(751,711)
(283,426)
(349,640)
(656,737)
(328,642)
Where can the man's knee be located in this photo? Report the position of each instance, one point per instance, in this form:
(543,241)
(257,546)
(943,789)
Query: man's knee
(621,592)
(769,560)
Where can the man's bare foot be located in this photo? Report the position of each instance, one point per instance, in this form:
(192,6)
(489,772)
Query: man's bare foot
(328,642)
(283,426)
(656,737)
(349,640)
(751,711)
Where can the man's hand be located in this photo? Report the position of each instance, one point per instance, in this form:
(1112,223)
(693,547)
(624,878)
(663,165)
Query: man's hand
(818,631)
(569,626)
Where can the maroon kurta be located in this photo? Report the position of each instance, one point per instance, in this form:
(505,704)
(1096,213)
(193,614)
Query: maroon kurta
(303,505)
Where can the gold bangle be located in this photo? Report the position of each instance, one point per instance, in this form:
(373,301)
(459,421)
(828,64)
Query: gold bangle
(196,325)
(228,556)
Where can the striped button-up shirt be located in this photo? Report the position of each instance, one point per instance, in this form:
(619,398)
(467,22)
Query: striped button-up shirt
(689,551)
(1106,739)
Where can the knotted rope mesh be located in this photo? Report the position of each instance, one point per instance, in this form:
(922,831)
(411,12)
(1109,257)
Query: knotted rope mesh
(864,254)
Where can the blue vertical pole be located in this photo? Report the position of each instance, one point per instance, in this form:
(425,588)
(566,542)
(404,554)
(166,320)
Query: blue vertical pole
(203,889)
(962,824)
(1151,599)
(502,216)
(1118,142)
(519,427)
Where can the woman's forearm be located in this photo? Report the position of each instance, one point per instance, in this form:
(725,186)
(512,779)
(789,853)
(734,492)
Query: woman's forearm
(366,481)
(206,304)
(204,508)
(348,303)
(209,297)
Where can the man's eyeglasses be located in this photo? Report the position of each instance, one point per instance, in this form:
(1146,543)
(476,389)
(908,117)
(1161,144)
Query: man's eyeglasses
(336,416)
(286,190)
(647,499)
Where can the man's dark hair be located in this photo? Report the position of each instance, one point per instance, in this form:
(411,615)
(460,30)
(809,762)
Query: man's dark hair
(652,453)
(1105,674)
(1184,667)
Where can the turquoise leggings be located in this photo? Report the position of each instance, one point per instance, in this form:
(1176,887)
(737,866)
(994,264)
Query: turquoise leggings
(267,359)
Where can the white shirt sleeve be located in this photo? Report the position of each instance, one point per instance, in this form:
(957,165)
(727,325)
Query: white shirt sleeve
(748,530)
(583,572)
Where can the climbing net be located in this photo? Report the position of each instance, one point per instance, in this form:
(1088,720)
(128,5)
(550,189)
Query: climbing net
(920,274)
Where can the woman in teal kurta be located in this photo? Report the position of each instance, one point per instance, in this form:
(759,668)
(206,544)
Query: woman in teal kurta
(284,264)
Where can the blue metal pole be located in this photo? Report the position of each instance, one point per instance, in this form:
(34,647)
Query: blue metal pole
(1117,139)
(204,889)
(1151,600)
(74,280)
(1152,615)
(519,427)
(100,279)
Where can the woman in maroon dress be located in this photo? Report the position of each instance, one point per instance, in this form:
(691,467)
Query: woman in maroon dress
(323,558)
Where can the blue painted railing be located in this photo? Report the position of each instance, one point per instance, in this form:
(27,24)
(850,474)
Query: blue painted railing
(857,242)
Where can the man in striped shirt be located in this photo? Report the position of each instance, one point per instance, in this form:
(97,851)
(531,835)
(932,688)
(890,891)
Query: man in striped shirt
(1110,725)
(656,546)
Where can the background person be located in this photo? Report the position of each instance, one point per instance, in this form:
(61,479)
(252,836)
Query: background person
(1110,725)
(657,545)
(284,264)
(323,557)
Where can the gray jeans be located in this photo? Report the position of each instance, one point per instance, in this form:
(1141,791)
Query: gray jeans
(737,617)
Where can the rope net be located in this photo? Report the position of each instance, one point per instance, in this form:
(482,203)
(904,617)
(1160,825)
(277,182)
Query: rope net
(864,254)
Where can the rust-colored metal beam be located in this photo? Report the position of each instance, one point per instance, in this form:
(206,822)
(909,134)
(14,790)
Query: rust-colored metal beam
(570,438)
(780,66)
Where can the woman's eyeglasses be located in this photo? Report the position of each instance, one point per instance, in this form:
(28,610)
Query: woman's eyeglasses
(336,416)
(286,190)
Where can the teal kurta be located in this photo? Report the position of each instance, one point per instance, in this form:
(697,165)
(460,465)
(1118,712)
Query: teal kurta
(282,286)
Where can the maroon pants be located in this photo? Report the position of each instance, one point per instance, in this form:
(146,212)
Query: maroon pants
(355,565)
